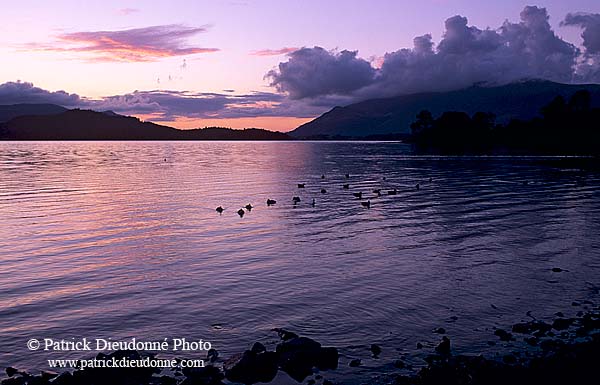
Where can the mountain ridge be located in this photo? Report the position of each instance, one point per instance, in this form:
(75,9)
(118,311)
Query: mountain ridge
(383,116)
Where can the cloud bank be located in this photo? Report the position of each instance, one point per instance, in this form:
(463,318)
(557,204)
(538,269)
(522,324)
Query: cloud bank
(166,105)
(465,55)
(131,45)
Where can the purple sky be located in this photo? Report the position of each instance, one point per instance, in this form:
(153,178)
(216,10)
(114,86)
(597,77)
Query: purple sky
(237,63)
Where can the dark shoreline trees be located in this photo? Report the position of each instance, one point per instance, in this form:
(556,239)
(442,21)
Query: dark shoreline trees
(571,127)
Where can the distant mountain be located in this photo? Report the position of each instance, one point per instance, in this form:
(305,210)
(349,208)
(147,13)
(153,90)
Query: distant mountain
(8,112)
(92,125)
(522,100)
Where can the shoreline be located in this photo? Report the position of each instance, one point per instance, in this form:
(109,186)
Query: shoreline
(562,351)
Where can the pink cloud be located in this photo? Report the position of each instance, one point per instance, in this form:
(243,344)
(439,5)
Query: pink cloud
(274,52)
(128,11)
(131,45)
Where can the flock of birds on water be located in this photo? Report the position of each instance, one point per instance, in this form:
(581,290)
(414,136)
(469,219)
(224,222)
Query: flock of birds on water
(296,199)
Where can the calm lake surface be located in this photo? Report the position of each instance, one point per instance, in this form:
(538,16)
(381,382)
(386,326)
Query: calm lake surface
(121,239)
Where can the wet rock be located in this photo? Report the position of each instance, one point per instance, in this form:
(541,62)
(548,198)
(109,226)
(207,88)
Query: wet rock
(14,381)
(285,334)
(399,364)
(531,341)
(208,375)
(559,314)
(327,382)
(354,363)
(65,378)
(439,331)
(444,347)
(311,382)
(375,350)
(48,375)
(258,348)
(298,355)
(250,367)
(529,327)
(557,270)
(503,335)
(10,371)
(509,359)
(212,355)
(166,380)
(562,323)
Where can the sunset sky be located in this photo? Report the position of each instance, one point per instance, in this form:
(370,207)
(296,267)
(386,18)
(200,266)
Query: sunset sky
(236,62)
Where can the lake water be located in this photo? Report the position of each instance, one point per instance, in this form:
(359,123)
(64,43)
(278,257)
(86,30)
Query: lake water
(121,239)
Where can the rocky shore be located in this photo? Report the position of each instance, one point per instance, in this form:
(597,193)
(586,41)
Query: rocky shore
(564,351)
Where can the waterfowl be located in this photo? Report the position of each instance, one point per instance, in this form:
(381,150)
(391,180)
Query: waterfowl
(220,210)
(323,191)
(358,195)
(418,186)
(301,185)
(347,175)
(241,212)
(296,199)
(346,186)
(314,202)
(430,179)
(322,176)
(271,202)
(393,192)
(366,204)
(249,207)
(377,191)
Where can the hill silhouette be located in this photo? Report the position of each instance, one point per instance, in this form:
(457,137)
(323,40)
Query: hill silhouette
(91,125)
(521,100)
(8,112)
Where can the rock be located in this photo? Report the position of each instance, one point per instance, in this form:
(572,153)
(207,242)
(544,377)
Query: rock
(375,350)
(258,348)
(419,345)
(212,355)
(65,378)
(10,371)
(559,314)
(557,269)
(297,357)
(48,375)
(166,380)
(250,367)
(311,382)
(531,341)
(562,323)
(529,327)
(443,347)
(284,334)
(503,335)
(354,363)
(439,331)
(399,364)
(327,382)
(509,359)
(14,381)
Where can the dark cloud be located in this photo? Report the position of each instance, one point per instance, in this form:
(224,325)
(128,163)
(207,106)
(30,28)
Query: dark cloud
(167,105)
(134,45)
(590,24)
(274,52)
(312,72)
(465,55)
(23,92)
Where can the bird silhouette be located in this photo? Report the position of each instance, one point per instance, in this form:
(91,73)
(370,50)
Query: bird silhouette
(220,210)
(346,186)
(271,202)
(323,191)
(358,195)
(296,200)
(301,185)
(418,186)
(366,204)
(249,207)
(393,192)
(314,202)
(241,212)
